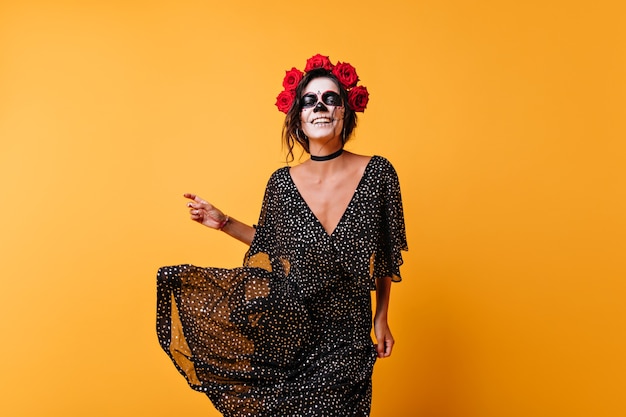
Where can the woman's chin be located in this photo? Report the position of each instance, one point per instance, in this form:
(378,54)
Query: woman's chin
(327,131)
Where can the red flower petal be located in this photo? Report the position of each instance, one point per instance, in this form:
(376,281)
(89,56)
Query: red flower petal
(358,98)
(292,79)
(346,74)
(285,100)
(318,61)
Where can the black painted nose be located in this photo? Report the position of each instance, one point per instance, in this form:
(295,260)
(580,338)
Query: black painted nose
(320,107)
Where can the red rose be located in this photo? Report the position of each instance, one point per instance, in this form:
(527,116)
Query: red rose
(346,74)
(318,61)
(285,100)
(358,98)
(292,78)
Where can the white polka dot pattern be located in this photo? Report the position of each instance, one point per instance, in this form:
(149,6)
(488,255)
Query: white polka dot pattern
(291,337)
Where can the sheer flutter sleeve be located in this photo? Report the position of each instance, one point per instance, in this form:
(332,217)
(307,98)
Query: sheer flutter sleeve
(392,238)
(262,252)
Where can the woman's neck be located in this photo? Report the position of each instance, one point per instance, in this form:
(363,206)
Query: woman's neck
(326,148)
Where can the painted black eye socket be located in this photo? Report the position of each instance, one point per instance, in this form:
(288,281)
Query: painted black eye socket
(330,98)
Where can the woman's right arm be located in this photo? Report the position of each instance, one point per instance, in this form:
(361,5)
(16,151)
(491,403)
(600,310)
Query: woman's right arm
(208,215)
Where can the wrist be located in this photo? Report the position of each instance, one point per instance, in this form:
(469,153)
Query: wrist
(378,317)
(223,223)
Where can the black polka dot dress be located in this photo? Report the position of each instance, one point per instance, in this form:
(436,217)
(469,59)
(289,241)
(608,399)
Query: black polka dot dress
(289,333)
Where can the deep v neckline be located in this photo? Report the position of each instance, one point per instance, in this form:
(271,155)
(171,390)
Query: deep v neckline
(345,211)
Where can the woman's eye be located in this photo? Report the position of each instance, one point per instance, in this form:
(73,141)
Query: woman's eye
(332,99)
(309,101)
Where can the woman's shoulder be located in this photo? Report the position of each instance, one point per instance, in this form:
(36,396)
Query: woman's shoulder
(279,176)
(375,160)
(381,164)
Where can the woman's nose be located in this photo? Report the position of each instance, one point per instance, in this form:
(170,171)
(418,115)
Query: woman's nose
(320,107)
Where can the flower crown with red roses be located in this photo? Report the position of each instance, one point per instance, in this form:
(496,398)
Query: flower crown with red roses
(345,73)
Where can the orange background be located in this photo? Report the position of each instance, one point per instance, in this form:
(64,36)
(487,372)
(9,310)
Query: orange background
(504,120)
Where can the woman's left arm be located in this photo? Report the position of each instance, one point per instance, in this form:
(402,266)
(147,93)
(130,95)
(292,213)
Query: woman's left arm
(381,326)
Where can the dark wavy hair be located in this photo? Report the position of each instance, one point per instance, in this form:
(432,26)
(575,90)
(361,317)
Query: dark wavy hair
(292,129)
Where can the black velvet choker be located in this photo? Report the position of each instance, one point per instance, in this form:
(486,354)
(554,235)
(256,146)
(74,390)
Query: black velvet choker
(327,157)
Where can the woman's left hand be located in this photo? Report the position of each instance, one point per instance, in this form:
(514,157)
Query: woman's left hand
(383,337)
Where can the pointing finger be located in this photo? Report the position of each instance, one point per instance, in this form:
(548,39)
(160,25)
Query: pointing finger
(195,198)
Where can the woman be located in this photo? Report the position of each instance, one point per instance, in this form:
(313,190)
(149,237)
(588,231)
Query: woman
(288,334)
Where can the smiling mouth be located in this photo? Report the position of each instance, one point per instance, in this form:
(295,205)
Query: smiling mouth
(319,121)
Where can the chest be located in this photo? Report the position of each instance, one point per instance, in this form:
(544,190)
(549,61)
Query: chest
(328,199)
